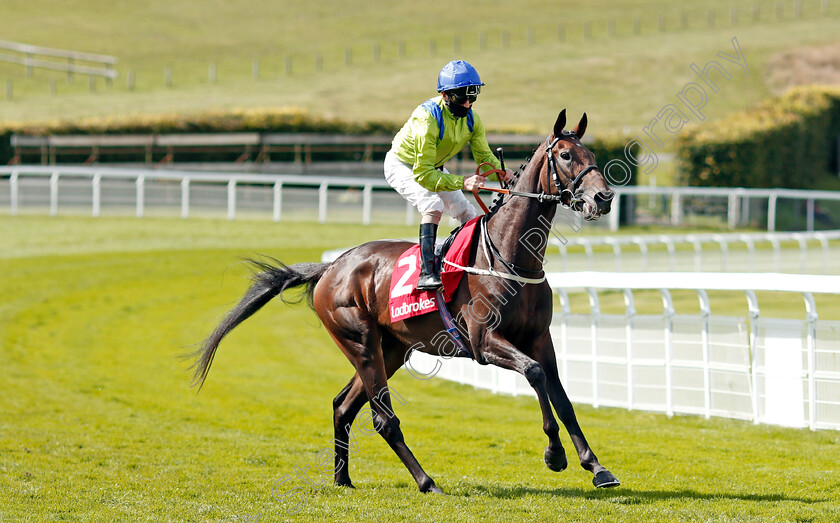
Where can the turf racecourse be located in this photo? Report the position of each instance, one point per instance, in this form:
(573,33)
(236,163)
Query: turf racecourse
(98,423)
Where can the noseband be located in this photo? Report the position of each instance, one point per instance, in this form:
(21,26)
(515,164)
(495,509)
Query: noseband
(555,169)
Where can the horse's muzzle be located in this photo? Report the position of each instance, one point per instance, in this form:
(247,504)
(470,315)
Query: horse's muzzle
(594,206)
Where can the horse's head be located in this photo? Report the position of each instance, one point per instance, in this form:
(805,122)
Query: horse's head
(572,173)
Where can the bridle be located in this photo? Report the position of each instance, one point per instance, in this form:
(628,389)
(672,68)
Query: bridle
(554,168)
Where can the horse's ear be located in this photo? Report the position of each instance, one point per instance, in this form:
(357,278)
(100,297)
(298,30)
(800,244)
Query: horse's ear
(560,123)
(581,127)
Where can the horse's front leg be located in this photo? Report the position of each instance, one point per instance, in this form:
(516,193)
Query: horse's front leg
(545,352)
(502,353)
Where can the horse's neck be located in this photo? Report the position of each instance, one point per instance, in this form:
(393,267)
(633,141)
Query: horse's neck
(512,228)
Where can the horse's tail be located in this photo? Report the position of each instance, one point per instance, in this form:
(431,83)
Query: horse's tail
(269,282)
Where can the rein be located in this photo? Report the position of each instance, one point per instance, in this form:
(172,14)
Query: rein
(541,197)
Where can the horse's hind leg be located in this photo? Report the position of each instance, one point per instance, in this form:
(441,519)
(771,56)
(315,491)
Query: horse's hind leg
(345,407)
(602,477)
(366,355)
(349,402)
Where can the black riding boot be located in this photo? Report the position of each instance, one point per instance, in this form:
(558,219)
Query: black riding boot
(428,280)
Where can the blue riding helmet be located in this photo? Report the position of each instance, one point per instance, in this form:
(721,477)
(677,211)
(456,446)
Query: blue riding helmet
(456,74)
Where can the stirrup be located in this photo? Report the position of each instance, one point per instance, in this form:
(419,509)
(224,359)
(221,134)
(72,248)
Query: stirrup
(429,282)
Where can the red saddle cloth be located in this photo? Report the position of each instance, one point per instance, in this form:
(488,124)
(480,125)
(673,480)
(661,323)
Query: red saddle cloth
(405,300)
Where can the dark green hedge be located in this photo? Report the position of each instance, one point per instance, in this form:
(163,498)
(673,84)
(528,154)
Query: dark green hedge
(6,152)
(784,142)
(609,148)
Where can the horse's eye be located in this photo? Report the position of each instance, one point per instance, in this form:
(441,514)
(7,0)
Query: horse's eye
(565,155)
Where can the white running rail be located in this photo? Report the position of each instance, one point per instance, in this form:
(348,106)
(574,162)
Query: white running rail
(767,370)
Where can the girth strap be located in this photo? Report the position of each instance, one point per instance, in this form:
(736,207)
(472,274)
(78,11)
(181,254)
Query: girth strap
(452,329)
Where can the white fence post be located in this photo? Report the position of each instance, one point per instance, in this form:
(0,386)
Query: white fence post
(565,310)
(809,213)
(676,209)
(745,208)
(668,311)
(698,252)
(231,200)
(811,316)
(777,253)
(141,196)
(752,303)
(724,251)
(629,314)
(615,213)
(278,201)
(14,193)
(732,211)
(596,313)
(97,195)
(803,252)
(705,314)
(771,213)
(322,202)
(672,252)
(185,198)
(587,247)
(750,251)
(367,203)
(825,250)
(643,251)
(54,194)
(616,247)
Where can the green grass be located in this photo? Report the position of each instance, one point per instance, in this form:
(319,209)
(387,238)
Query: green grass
(98,423)
(622,79)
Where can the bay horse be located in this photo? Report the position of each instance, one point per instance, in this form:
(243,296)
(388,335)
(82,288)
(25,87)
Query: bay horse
(351,295)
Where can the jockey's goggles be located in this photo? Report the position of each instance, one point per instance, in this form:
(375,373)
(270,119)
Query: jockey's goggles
(461,95)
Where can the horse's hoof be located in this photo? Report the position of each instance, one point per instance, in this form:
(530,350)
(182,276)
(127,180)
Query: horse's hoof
(605,479)
(344,483)
(555,461)
(430,488)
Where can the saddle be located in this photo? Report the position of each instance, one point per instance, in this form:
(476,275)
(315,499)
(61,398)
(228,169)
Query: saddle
(405,301)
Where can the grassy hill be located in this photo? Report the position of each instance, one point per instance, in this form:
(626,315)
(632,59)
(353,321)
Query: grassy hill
(618,61)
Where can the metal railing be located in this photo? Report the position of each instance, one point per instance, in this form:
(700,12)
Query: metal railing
(221,192)
(768,370)
(734,206)
(732,252)
(119,190)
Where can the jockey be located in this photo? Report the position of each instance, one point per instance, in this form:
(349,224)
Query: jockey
(437,131)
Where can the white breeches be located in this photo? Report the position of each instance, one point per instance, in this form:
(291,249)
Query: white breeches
(401,177)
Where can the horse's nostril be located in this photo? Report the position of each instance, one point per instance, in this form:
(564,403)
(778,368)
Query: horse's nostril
(604,200)
(606,196)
